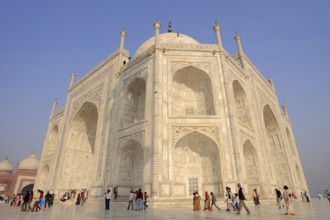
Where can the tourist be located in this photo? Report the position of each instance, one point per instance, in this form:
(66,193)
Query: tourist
(130,200)
(242,200)
(107,198)
(213,201)
(12,199)
(236,201)
(17,200)
(52,196)
(30,201)
(64,197)
(302,196)
(78,199)
(255,197)
(47,199)
(206,201)
(196,201)
(319,195)
(228,197)
(145,199)
(278,197)
(288,201)
(115,191)
(82,196)
(306,196)
(25,201)
(139,198)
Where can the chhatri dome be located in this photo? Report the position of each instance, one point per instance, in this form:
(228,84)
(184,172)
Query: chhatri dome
(5,166)
(165,38)
(31,163)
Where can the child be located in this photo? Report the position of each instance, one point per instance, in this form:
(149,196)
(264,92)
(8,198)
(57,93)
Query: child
(236,200)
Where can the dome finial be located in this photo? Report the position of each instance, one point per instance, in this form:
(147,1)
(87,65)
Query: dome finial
(169,30)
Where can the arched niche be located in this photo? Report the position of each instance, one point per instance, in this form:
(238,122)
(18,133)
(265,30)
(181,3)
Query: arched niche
(134,102)
(26,188)
(52,141)
(251,166)
(241,104)
(277,156)
(131,163)
(196,164)
(191,93)
(77,168)
(291,142)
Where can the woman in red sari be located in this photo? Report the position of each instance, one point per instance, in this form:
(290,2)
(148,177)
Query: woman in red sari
(207,201)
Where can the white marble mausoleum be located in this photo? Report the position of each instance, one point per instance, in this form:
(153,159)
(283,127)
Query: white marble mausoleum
(178,116)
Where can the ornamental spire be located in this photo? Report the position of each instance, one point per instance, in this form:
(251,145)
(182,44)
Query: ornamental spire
(169,30)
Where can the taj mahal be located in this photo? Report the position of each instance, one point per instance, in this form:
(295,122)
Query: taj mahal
(177,117)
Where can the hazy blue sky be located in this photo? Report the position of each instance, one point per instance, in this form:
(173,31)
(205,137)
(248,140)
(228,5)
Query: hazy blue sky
(42,42)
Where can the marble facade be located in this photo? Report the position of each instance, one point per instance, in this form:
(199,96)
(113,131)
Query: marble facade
(179,116)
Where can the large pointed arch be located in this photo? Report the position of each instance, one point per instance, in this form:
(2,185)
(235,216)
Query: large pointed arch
(43,182)
(130,166)
(241,104)
(51,141)
(134,102)
(276,153)
(191,93)
(196,164)
(252,165)
(77,168)
(291,142)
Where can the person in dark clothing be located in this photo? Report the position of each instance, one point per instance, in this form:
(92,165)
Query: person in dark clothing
(25,201)
(241,200)
(47,199)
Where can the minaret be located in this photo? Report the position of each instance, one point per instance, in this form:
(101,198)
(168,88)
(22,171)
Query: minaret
(156,27)
(284,109)
(240,50)
(271,82)
(156,117)
(53,109)
(73,76)
(229,106)
(216,28)
(122,39)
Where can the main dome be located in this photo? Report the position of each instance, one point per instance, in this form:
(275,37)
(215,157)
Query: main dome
(5,166)
(167,38)
(30,163)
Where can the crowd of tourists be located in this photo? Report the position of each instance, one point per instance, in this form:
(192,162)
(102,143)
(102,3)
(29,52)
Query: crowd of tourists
(137,199)
(30,202)
(236,201)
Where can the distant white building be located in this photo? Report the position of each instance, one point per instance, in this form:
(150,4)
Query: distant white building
(179,116)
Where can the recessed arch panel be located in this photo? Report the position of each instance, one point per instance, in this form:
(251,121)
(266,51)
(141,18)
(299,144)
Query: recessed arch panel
(191,93)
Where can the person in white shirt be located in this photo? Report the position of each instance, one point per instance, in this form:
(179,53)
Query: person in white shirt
(130,200)
(107,198)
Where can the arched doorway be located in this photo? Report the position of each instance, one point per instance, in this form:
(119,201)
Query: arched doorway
(192,93)
(251,166)
(134,102)
(131,164)
(241,104)
(276,153)
(77,170)
(27,188)
(196,164)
